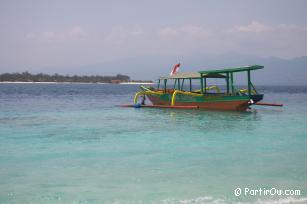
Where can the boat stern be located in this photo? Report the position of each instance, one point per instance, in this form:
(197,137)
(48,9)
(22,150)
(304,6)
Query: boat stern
(256,98)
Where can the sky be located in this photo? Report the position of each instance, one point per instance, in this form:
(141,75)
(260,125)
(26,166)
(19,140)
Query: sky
(66,36)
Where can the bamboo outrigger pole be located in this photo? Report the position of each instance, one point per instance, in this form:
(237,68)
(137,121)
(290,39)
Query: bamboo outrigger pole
(268,104)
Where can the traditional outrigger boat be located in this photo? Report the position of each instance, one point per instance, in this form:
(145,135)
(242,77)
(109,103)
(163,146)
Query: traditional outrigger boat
(176,97)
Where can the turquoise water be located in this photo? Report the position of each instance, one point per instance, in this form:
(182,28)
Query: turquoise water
(68,143)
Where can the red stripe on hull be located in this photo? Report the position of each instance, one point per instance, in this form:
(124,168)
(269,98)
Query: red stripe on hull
(159,106)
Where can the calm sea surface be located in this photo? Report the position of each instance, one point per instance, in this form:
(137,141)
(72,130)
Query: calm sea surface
(69,143)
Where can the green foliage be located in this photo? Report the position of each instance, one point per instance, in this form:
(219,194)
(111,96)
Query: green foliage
(28,77)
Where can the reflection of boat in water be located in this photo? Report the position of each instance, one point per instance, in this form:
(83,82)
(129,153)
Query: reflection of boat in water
(207,97)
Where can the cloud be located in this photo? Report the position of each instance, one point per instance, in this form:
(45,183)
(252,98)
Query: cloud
(49,35)
(258,27)
(281,40)
(255,38)
(72,34)
(195,30)
(77,32)
(119,42)
(254,26)
(190,30)
(167,31)
(30,36)
(120,34)
(178,40)
(136,31)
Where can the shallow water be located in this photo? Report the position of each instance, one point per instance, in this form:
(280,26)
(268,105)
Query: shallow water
(68,143)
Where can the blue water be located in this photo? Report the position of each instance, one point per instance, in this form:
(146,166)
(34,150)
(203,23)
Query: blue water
(69,143)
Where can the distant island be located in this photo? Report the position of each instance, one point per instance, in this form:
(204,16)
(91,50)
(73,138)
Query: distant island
(28,77)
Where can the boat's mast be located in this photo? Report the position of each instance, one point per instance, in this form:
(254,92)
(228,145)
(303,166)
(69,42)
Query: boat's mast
(231,83)
(175,83)
(205,84)
(227,81)
(249,82)
(201,84)
(182,84)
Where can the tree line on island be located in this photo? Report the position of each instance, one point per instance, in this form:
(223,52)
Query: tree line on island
(28,77)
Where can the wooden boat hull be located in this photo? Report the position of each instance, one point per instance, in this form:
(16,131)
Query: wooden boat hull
(210,101)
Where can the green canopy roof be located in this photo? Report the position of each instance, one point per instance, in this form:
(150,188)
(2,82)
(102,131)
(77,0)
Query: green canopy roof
(192,75)
(231,69)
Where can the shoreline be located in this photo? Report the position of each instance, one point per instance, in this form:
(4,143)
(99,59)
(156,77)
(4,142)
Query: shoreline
(138,83)
(51,82)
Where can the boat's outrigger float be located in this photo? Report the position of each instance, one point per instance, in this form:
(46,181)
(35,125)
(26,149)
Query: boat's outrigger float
(177,97)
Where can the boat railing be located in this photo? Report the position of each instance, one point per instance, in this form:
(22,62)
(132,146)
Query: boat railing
(182,92)
(174,93)
(253,90)
(146,93)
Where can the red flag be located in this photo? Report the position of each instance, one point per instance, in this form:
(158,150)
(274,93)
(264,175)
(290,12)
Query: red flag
(175,69)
